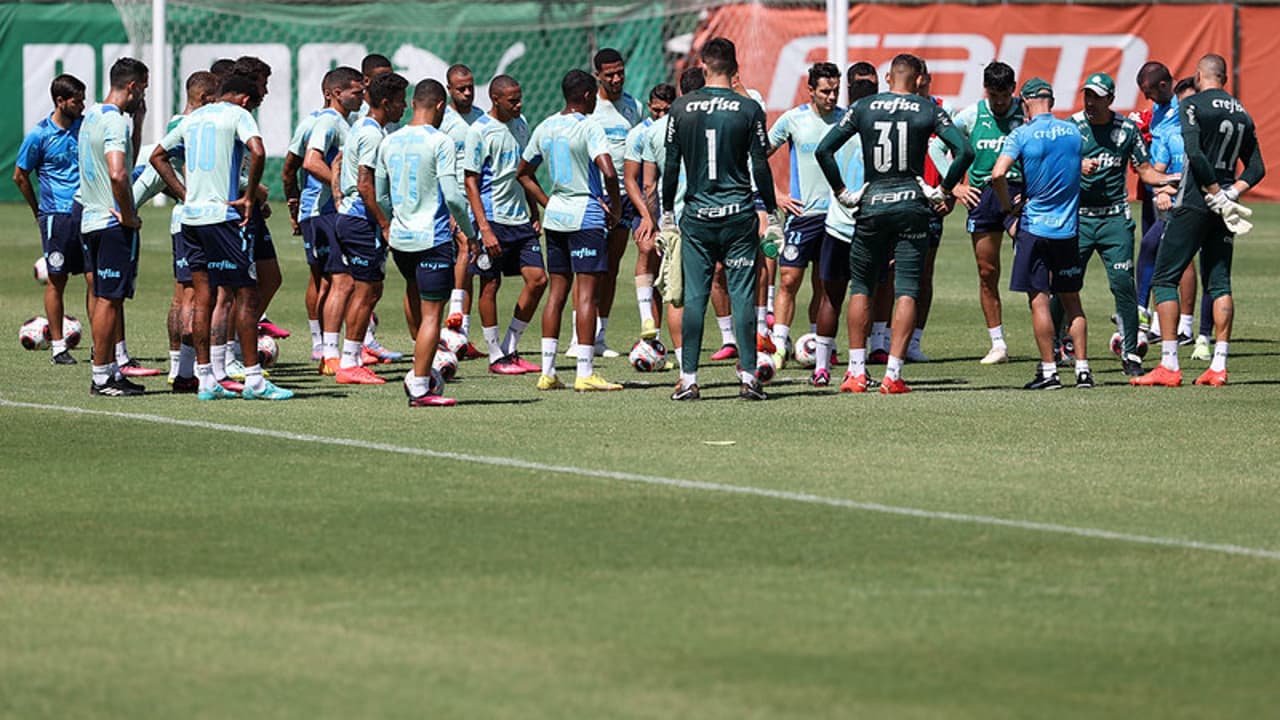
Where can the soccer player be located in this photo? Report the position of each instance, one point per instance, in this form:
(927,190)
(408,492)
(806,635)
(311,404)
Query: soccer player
(51,151)
(264,248)
(616,112)
(1045,254)
(109,220)
(576,221)
(416,176)
(1112,143)
(360,221)
(713,131)
(504,222)
(214,221)
(644,225)
(894,208)
(801,129)
(1218,134)
(458,117)
(935,163)
(987,123)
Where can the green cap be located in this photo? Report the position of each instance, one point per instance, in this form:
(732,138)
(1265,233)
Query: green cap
(1101,84)
(1036,88)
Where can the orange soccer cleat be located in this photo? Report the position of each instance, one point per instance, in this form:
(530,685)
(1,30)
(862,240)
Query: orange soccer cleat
(1160,376)
(1214,378)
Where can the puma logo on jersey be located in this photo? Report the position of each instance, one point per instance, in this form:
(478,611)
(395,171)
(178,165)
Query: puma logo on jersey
(713,105)
(895,105)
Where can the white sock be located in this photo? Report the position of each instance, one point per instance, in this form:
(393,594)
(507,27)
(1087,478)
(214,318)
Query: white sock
(644,297)
(418,386)
(573,320)
(207,379)
(780,335)
(680,361)
(351,353)
(688,379)
(122,353)
(466,325)
(893,370)
(1048,369)
(1082,366)
(330,345)
(769,300)
(602,324)
(879,336)
(586,361)
(1169,354)
(1155,322)
(101,374)
(253,378)
(512,340)
(456,298)
(1219,362)
(857,361)
(218,359)
(369,338)
(175,359)
(726,330)
(233,350)
(115,371)
(762,325)
(550,346)
(822,355)
(997,337)
(746,376)
(495,345)
(59,346)
(317,334)
(187,363)
(1184,324)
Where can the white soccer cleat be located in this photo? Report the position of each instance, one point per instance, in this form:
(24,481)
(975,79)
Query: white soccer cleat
(916,355)
(999,354)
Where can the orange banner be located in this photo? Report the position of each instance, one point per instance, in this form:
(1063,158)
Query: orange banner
(1259,84)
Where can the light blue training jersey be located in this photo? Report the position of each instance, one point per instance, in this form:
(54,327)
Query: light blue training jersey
(570,145)
(1050,150)
(410,163)
(104,130)
(360,150)
(656,152)
(213,138)
(616,118)
(328,133)
(802,128)
(53,154)
(493,152)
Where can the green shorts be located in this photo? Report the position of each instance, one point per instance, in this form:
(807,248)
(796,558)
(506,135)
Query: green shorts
(904,237)
(1186,232)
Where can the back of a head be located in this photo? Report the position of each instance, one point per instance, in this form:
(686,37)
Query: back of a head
(385,87)
(861,69)
(340,78)
(577,84)
(860,89)
(666,92)
(1213,66)
(222,67)
(692,79)
(1154,72)
(372,63)
(252,66)
(65,87)
(428,93)
(906,67)
(823,70)
(127,70)
(720,57)
(606,56)
(202,84)
(1185,85)
(998,76)
(240,84)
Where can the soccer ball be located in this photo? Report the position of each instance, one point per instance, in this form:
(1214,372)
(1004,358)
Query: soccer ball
(34,334)
(806,350)
(71,331)
(765,369)
(1117,343)
(1143,345)
(41,271)
(648,356)
(445,363)
(268,351)
(452,340)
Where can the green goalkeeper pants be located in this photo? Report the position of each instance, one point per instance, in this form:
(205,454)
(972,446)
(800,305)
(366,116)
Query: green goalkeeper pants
(735,242)
(1112,238)
(1188,231)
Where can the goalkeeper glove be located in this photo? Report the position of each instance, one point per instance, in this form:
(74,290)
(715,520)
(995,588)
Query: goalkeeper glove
(850,198)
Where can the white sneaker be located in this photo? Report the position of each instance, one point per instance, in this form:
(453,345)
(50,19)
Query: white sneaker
(572,351)
(235,370)
(915,354)
(999,354)
(605,351)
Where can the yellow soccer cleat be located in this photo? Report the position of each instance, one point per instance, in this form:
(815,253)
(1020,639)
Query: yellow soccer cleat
(648,330)
(550,382)
(595,383)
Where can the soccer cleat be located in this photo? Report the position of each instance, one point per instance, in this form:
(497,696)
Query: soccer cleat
(894,387)
(235,370)
(506,366)
(1203,351)
(266,327)
(726,352)
(779,359)
(454,321)
(523,364)
(572,351)
(1185,339)
(648,330)
(821,378)
(471,352)
(1131,366)
(1084,379)
(368,358)
(62,358)
(752,391)
(594,383)
(768,320)
(217,393)
(1159,375)
(317,353)
(1043,382)
(550,382)
(115,387)
(358,375)
(384,355)
(135,369)
(269,391)
(231,385)
(764,344)
(878,357)
(1213,378)
(686,393)
(329,366)
(998,354)
(430,400)
(605,351)
(854,383)
(916,355)
(185,385)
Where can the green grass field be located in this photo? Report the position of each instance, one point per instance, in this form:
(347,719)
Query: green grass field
(158,569)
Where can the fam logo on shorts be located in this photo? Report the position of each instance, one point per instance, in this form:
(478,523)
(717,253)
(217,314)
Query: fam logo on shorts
(56,260)
(791,252)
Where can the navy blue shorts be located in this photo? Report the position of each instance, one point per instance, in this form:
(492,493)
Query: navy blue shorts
(260,236)
(316,232)
(755,200)
(805,235)
(988,216)
(580,251)
(833,260)
(223,251)
(62,244)
(431,271)
(630,216)
(363,252)
(935,232)
(115,261)
(520,249)
(1045,265)
(181,265)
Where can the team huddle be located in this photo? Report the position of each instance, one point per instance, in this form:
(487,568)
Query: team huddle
(455,194)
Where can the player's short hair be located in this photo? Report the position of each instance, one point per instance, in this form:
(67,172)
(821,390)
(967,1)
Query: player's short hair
(720,56)
(203,82)
(859,89)
(65,87)
(998,76)
(241,84)
(1185,84)
(906,62)
(385,87)
(1154,72)
(666,92)
(457,70)
(861,68)
(222,66)
(428,93)
(606,56)
(819,71)
(692,79)
(1214,64)
(373,61)
(502,83)
(252,66)
(577,83)
(127,70)
(340,78)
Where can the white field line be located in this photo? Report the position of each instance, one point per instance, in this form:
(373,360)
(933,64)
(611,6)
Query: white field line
(784,495)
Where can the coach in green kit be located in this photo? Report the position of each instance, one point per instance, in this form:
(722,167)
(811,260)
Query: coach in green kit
(713,131)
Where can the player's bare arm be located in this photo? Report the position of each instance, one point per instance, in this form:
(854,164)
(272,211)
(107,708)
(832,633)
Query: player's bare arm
(492,247)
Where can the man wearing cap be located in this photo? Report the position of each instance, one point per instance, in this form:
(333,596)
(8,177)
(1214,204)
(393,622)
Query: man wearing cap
(1111,143)
(1046,257)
